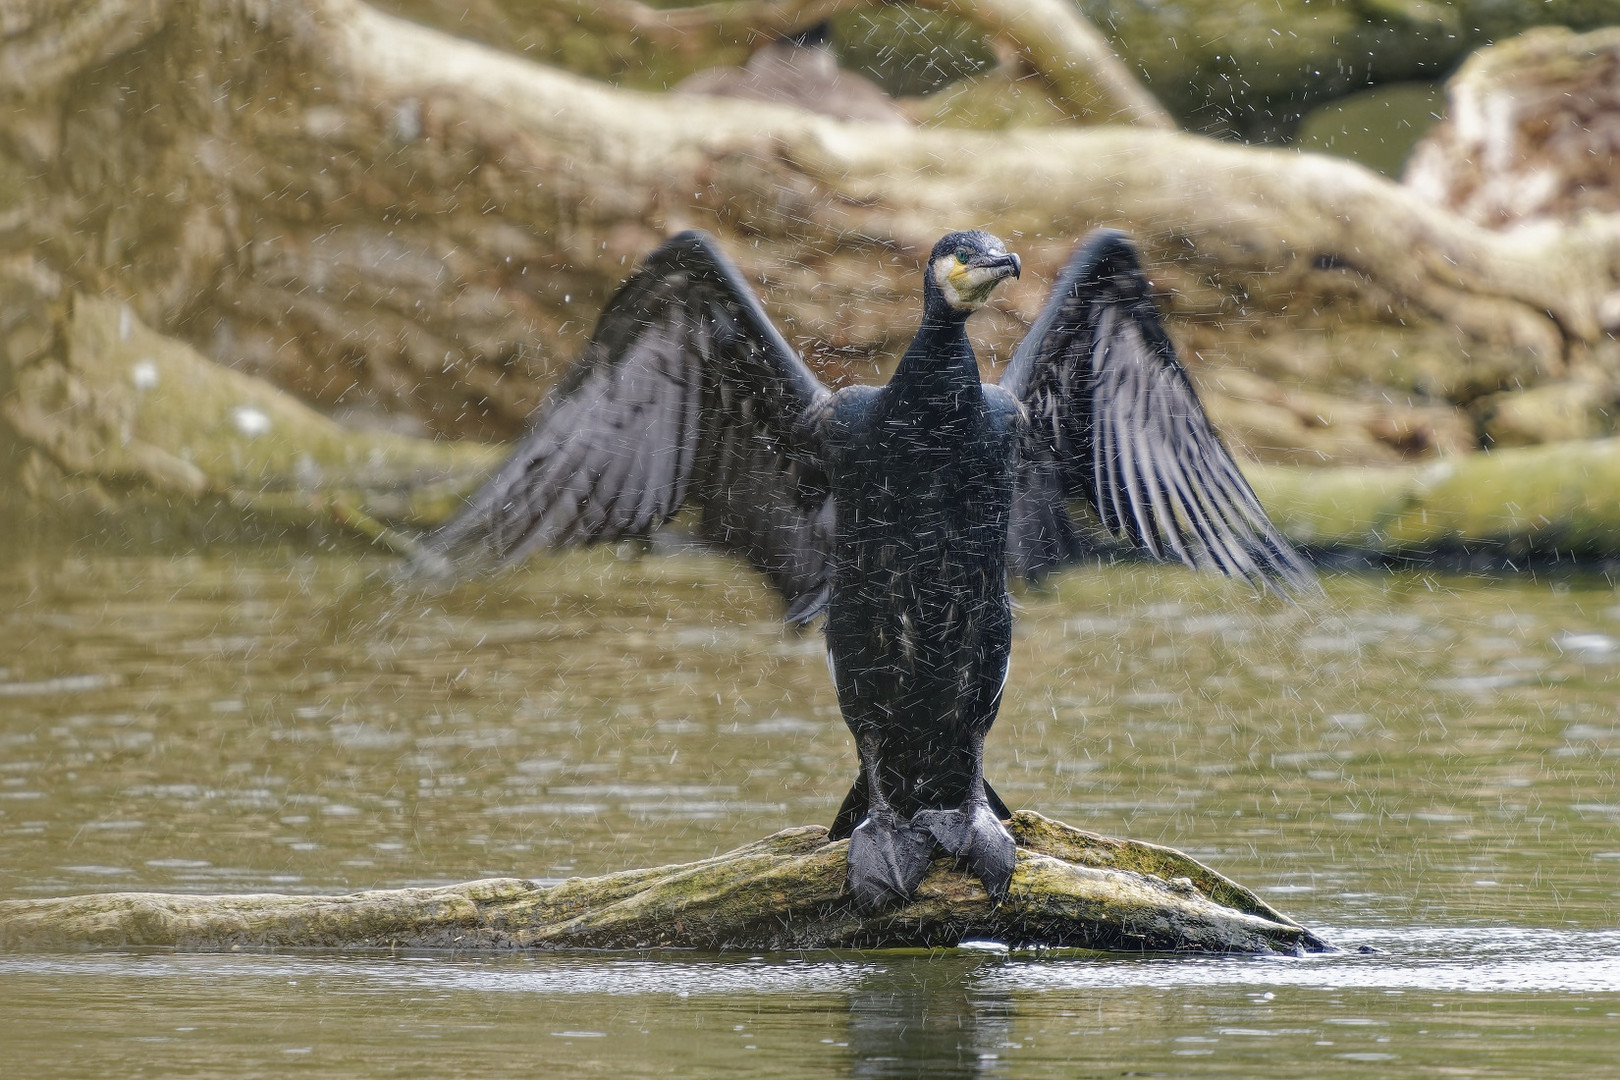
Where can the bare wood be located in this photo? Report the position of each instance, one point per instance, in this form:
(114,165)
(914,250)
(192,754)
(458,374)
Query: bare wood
(377,216)
(650,47)
(119,420)
(1529,129)
(1057,42)
(1071,888)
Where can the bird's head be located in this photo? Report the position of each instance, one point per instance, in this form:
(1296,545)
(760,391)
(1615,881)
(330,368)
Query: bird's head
(963,270)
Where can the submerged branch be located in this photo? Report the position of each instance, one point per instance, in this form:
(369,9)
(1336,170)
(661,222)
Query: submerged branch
(1071,889)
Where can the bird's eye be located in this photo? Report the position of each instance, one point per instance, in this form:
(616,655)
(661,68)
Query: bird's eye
(962,256)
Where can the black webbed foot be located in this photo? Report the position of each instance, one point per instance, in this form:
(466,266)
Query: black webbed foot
(888,857)
(978,840)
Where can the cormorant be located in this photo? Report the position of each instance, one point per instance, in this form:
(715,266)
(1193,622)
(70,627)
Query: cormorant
(896,509)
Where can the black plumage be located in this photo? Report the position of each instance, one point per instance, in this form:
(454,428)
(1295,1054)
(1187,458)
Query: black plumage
(897,510)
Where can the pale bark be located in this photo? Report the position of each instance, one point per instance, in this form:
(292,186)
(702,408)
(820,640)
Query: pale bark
(1070,889)
(1247,68)
(1532,132)
(373,214)
(128,429)
(654,48)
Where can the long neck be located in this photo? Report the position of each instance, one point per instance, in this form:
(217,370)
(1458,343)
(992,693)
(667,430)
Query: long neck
(940,355)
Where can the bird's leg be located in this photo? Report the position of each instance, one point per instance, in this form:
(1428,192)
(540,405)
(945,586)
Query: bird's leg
(888,855)
(974,834)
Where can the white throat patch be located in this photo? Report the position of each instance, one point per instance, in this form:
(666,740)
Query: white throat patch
(965,288)
(943,270)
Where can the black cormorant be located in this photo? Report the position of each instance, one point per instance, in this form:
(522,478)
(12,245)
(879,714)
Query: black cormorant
(896,509)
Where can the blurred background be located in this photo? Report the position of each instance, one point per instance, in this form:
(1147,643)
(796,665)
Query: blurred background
(276,280)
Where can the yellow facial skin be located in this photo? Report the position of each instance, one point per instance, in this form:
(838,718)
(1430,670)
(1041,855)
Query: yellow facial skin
(966,287)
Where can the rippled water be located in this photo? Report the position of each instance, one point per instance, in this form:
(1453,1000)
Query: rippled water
(1423,765)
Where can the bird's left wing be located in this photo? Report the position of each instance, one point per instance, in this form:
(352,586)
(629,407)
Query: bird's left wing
(1114,417)
(686,394)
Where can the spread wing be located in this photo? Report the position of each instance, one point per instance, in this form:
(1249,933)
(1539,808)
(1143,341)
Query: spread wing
(1113,417)
(686,395)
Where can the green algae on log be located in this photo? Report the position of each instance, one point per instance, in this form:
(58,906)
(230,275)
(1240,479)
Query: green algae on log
(1551,501)
(1072,889)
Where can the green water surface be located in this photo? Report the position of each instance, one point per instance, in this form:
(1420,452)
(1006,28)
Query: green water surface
(1422,766)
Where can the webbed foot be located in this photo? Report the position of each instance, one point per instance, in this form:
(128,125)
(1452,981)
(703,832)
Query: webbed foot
(978,839)
(888,857)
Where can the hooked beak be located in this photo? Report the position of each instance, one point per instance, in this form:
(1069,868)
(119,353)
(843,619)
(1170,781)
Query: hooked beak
(968,285)
(1006,265)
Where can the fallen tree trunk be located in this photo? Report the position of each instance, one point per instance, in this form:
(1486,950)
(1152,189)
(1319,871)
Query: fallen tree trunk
(649,48)
(130,431)
(1071,889)
(1219,67)
(379,217)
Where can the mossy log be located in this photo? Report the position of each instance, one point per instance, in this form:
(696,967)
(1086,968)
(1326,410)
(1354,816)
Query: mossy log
(1071,889)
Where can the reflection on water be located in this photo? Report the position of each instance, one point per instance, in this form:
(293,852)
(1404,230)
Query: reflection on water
(1444,1002)
(927,1019)
(1424,765)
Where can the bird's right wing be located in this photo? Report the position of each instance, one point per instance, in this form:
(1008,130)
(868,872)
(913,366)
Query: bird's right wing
(686,394)
(1114,417)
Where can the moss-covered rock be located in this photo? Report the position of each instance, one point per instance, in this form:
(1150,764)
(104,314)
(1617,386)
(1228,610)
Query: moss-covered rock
(1560,411)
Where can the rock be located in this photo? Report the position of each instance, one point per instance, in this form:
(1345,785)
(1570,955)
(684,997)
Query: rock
(119,418)
(1550,501)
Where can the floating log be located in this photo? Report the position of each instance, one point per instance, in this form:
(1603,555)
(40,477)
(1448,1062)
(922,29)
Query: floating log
(1071,889)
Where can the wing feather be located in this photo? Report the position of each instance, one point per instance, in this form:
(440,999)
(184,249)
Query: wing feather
(1114,418)
(685,395)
